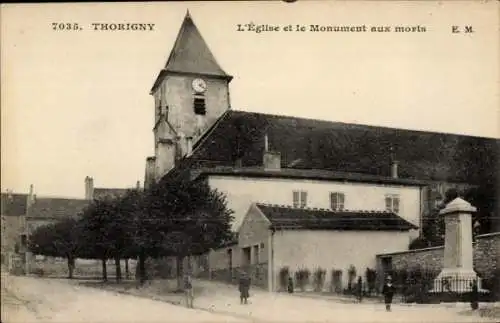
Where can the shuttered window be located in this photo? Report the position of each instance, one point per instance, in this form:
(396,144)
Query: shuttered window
(392,203)
(299,199)
(337,201)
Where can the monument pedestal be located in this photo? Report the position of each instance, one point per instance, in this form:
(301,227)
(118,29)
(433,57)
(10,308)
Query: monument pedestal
(458,274)
(456,280)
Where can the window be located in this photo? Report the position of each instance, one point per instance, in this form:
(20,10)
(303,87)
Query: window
(199,106)
(392,203)
(337,201)
(299,199)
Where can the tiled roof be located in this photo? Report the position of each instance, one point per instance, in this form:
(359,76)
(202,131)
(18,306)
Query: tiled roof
(13,204)
(289,218)
(335,146)
(191,54)
(100,193)
(316,174)
(54,208)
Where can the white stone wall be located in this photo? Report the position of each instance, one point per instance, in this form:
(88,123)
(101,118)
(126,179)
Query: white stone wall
(241,192)
(334,250)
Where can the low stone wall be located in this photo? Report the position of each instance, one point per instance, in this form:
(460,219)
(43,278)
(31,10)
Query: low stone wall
(258,275)
(58,267)
(486,256)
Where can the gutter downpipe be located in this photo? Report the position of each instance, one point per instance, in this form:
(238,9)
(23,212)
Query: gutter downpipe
(270,268)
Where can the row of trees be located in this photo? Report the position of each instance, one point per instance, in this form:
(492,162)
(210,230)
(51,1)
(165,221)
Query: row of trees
(175,218)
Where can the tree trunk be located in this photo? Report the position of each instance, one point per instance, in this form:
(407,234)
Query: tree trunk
(118,268)
(179,271)
(104,270)
(71,267)
(127,271)
(142,267)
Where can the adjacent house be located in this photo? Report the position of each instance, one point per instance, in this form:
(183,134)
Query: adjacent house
(13,211)
(97,193)
(273,237)
(22,214)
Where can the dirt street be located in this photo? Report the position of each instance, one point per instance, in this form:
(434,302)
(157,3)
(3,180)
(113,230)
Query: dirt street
(27,300)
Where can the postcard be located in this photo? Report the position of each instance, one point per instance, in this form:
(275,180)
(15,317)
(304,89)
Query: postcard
(250,161)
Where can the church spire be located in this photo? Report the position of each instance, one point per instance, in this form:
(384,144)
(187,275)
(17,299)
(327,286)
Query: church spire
(191,54)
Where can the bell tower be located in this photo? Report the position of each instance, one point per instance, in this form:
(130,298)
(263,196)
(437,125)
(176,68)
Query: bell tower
(190,94)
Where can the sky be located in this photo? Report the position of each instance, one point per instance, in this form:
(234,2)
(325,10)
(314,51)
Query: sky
(77,103)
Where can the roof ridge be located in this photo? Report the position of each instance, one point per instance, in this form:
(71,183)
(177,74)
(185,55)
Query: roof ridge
(359,124)
(114,188)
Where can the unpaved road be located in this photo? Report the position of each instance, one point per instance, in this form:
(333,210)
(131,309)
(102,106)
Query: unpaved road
(28,299)
(32,300)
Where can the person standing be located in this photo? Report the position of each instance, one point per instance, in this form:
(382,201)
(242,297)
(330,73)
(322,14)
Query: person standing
(290,285)
(474,301)
(244,287)
(188,289)
(388,292)
(359,289)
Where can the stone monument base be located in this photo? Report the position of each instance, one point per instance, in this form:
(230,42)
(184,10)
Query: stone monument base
(455,280)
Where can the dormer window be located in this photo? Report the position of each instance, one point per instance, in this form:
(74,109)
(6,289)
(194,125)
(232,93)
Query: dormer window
(199,105)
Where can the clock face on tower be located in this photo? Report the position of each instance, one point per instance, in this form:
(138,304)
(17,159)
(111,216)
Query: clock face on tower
(199,85)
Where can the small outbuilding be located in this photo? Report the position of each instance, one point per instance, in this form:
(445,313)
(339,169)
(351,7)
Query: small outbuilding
(274,237)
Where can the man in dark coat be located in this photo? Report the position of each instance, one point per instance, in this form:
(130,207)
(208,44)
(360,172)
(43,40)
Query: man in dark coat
(359,289)
(290,285)
(388,292)
(474,299)
(244,287)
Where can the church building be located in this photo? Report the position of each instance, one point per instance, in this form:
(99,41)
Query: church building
(302,190)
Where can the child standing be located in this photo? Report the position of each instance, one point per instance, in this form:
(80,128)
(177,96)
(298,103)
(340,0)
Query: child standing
(388,292)
(244,286)
(359,289)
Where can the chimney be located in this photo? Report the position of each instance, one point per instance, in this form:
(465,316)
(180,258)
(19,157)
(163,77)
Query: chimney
(89,188)
(138,185)
(31,196)
(271,160)
(394,169)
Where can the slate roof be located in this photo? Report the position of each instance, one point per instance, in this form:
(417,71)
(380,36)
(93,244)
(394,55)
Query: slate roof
(56,208)
(101,193)
(335,146)
(191,54)
(289,218)
(13,204)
